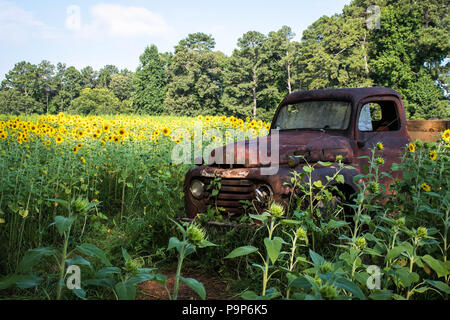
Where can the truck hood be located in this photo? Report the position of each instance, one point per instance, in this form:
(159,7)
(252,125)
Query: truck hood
(312,145)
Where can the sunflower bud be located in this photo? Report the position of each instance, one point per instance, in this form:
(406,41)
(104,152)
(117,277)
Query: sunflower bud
(131,266)
(326,267)
(373,187)
(276,210)
(80,205)
(195,234)
(421,232)
(329,292)
(400,222)
(301,234)
(361,243)
(380,146)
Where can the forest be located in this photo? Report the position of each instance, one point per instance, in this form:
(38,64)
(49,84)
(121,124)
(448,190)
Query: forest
(406,49)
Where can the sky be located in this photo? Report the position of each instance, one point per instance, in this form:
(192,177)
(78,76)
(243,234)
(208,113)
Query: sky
(97,33)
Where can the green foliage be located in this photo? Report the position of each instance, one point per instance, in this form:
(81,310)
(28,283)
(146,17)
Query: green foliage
(95,102)
(249,86)
(334,53)
(195,78)
(406,240)
(407,51)
(150,82)
(14,102)
(193,236)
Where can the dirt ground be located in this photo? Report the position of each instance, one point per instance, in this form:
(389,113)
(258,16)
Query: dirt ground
(215,289)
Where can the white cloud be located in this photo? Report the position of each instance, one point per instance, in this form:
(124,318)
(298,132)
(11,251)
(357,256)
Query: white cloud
(122,21)
(19,26)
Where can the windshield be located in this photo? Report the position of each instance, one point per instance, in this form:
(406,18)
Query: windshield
(314,115)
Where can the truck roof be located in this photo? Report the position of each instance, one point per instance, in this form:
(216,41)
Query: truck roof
(352,94)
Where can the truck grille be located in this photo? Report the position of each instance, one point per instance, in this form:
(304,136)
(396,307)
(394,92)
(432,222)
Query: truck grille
(230,194)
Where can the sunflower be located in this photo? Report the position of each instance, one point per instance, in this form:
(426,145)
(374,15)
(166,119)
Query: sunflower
(425,187)
(83,159)
(80,133)
(446,135)
(412,147)
(380,146)
(59,139)
(122,132)
(166,131)
(433,155)
(75,150)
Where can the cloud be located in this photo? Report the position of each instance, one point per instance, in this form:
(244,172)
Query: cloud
(19,26)
(114,20)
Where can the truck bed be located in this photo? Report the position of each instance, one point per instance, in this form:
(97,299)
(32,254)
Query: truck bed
(426,130)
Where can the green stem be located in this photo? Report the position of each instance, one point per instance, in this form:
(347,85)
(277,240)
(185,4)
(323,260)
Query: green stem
(177,279)
(62,265)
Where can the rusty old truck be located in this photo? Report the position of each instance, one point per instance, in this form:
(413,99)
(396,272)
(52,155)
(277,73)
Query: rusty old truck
(311,126)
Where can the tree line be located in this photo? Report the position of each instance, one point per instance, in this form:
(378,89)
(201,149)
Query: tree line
(407,51)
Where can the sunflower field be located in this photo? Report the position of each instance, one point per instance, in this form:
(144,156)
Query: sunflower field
(104,193)
(123,163)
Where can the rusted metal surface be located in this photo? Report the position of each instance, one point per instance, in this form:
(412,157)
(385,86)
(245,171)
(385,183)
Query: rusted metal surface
(241,178)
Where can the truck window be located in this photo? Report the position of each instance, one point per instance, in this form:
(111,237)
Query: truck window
(333,115)
(378,116)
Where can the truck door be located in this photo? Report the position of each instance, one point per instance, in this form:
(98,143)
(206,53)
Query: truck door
(380,119)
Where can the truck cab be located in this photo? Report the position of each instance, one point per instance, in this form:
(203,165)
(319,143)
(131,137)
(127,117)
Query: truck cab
(311,126)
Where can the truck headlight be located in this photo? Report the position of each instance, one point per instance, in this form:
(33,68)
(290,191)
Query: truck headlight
(263,194)
(197,188)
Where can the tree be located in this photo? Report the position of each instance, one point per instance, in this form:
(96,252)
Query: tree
(249,84)
(46,83)
(96,101)
(150,82)
(89,77)
(104,76)
(12,101)
(195,78)
(425,99)
(198,42)
(69,84)
(334,53)
(22,78)
(408,51)
(122,85)
(281,51)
